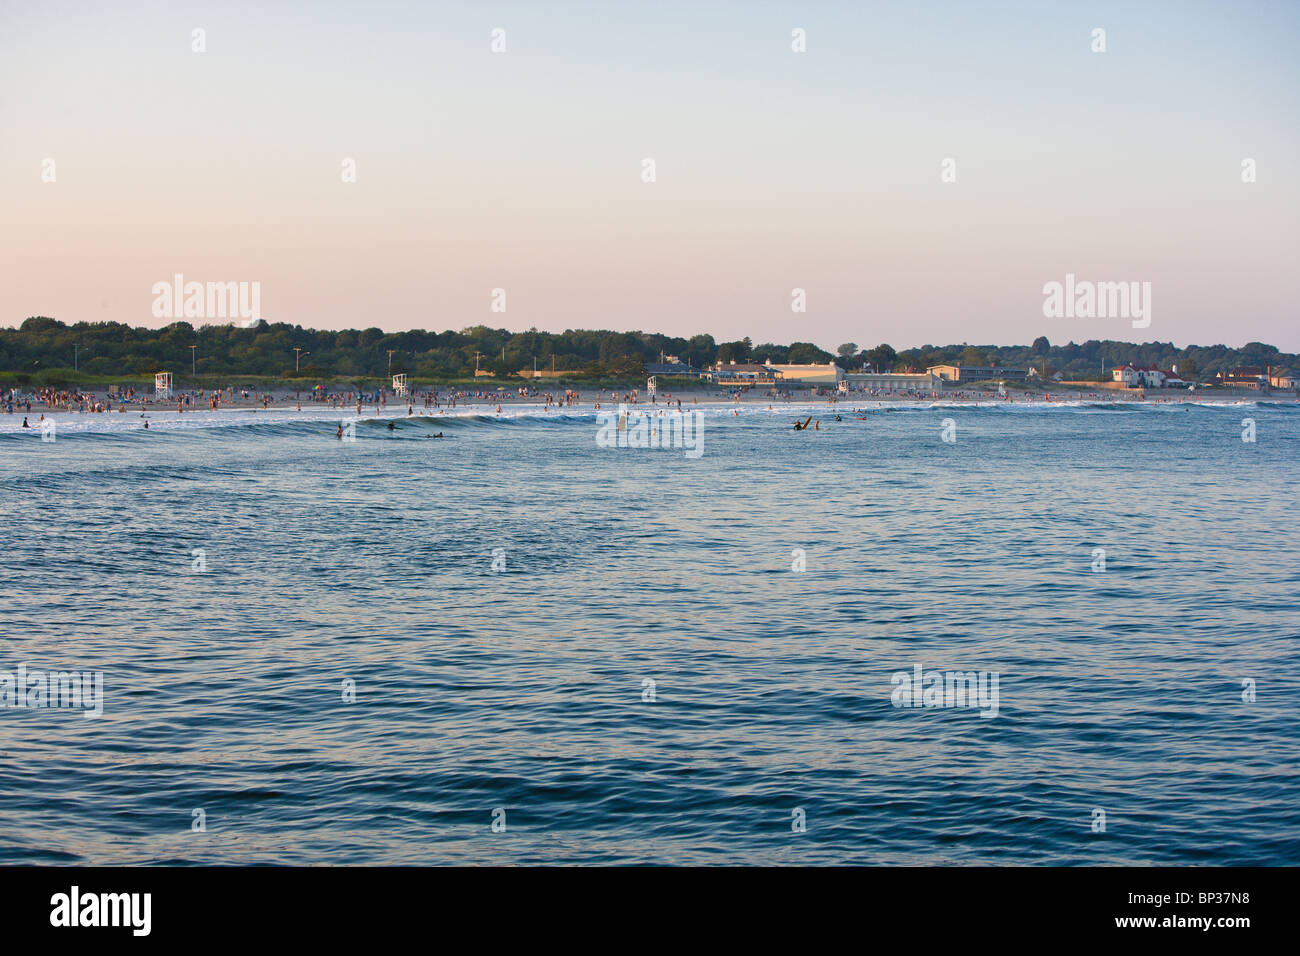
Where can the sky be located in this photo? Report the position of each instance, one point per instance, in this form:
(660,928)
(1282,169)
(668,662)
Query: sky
(126,157)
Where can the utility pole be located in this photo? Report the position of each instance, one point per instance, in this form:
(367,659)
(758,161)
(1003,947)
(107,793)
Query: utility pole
(194,362)
(390,360)
(476,355)
(75,346)
(297,349)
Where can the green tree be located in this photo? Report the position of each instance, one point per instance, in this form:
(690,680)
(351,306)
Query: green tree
(735,351)
(882,358)
(806,353)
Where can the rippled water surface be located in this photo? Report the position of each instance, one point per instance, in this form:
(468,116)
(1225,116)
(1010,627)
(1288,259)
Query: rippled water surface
(522,689)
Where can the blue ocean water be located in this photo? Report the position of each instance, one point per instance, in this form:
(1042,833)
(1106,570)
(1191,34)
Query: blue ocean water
(522,689)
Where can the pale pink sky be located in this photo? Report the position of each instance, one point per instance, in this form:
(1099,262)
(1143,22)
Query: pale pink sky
(775,169)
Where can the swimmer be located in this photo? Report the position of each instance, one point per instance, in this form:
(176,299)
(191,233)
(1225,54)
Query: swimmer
(339,433)
(25,425)
(392,427)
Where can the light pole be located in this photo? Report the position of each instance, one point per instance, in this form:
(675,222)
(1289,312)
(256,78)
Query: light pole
(75,346)
(194,367)
(298,353)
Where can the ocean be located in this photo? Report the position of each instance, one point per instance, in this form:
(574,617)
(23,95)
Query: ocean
(512,645)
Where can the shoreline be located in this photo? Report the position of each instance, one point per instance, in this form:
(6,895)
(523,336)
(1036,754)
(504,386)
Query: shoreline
(851,408)
(479,401)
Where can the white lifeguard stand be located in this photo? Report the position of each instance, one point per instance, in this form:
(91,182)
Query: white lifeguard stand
(162,385)
(651,386)
(399,384)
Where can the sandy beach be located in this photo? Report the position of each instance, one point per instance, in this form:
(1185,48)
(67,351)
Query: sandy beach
(426,401)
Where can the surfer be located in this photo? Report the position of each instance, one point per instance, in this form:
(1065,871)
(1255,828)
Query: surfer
(392,427)
(800,426)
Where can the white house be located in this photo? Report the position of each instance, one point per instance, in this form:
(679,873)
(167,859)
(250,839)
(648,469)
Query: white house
(1127,374)
(1135,376)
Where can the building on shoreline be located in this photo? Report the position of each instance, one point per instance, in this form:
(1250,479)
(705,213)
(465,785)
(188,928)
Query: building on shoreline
(1138,376)
(1284,378)
(672,365)
(746,373)
(895,381)
(1245,376)
(965,374)
(743,373)
(828,374)
(1148,376)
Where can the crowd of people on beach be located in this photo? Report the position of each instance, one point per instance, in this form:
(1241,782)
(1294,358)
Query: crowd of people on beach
(17,400)
(75,400)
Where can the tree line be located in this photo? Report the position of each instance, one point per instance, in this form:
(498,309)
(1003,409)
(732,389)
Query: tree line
(43,350)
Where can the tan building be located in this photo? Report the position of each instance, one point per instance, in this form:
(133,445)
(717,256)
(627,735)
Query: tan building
(740,373)
(828,374)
